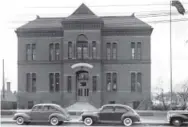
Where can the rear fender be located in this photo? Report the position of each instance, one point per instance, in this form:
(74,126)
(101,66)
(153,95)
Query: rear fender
(94,117)
(60,117)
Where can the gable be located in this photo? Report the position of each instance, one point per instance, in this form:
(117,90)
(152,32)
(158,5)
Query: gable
(83,10)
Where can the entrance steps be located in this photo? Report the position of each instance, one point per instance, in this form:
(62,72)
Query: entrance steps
(79,107)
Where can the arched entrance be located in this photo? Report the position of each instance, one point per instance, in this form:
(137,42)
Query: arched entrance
(82,78)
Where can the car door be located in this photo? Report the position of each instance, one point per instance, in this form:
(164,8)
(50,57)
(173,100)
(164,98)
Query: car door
(106,113)
(36,113)
(119,111)
(47,111)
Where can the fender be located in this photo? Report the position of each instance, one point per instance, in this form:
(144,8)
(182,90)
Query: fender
(130,115)
(60,117)
(24,115)
(178,116)
(95,117)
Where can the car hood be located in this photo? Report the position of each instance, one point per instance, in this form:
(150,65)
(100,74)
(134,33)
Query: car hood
(23,111)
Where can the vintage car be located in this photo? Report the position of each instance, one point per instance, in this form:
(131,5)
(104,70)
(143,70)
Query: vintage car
(111,113)
(177,117)
(52,113)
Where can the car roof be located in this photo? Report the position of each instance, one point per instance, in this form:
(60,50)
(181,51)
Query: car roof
(116,105)
(47,104)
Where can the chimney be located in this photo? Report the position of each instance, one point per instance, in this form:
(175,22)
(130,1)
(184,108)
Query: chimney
(8,87)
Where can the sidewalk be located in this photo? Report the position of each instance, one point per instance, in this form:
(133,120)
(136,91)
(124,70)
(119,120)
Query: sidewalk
(76,120)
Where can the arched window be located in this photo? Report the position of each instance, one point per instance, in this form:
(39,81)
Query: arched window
(82,49)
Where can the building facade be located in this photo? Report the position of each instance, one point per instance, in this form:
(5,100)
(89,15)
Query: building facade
(84,58)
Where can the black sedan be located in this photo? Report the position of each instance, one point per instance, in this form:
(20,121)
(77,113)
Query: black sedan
(111,113)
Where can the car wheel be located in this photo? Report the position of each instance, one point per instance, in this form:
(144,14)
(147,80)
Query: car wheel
(54,121)
(176,122)
(88,121)
(20,120)
(127,121)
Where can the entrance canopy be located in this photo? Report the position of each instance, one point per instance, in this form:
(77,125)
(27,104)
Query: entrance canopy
(81,65)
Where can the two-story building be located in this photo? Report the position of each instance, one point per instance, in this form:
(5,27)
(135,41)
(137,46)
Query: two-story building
(84,58)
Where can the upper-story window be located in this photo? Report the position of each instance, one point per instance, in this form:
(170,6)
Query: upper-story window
(114,50)
(82,50)
(31,82)
(108,50)
(54,82)
(108,81)
(94,49)
(136,50)
(54,51)
(139,50)
(30,52)
(70,51)
(114,81)
(136,82)
(133,47)
(69,84)
(57,51)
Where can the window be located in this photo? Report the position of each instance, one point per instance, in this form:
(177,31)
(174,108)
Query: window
(136,82)
(114,79)
(114,51)
(30,104)
(57,51)
(94,50)
(85,51)
(28,82)
(108,51)
(136,104)
(33,56)
(69,84)
(108,109)
(37,108)
(112,102)
(51,52)
(139,82)
(51,82)
(28,52)
(49,108)
(94,80)
(70,51)
(54,82)
(57,79)
(31,82)
(133,81)
(120,109)
(133,50)
(108,81)
(139,50)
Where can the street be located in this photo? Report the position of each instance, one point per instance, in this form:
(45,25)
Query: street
(80,125)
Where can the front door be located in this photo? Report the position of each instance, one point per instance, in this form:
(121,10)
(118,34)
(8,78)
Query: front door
(83,91)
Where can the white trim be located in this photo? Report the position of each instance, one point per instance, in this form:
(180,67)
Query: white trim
(81,64)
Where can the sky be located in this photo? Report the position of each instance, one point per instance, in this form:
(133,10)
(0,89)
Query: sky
(14,13)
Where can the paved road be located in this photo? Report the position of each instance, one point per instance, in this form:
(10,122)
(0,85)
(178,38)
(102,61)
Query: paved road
(80,125)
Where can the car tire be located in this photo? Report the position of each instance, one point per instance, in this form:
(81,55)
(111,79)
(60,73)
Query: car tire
(88,121)
(54,121)
(127,122)
(20,120)
(176,122)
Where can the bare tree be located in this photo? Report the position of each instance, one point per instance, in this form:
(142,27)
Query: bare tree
(184,94)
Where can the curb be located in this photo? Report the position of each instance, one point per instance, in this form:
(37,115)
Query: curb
(80,122)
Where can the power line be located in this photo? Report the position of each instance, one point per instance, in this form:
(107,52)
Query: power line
(156,4)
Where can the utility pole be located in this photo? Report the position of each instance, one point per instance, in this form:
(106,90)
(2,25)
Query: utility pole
(3,79)
(171,83)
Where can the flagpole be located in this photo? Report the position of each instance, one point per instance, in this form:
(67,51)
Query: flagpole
(171,55)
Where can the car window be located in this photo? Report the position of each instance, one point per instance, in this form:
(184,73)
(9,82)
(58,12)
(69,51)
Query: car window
(37,108)
(120,109)
(49,108)
(107,109)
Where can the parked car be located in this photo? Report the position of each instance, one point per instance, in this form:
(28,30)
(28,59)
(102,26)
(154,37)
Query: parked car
(52,113)
(111,113)
(177,117)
